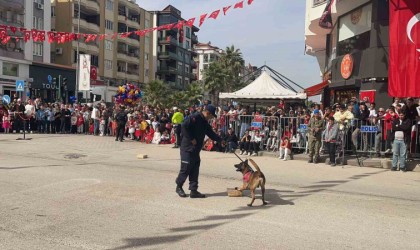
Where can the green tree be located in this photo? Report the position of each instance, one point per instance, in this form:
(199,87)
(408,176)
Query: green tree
(233,61)
(156,93)
(215,80)
(193,93)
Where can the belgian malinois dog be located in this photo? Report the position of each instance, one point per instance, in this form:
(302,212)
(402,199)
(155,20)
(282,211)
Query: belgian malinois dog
(251,179)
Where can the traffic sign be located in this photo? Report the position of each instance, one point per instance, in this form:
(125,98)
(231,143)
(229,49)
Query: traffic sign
(6,99)
(20,85)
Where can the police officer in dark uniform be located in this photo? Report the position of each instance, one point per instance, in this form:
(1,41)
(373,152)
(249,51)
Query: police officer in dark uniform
(193,131)
(121,118)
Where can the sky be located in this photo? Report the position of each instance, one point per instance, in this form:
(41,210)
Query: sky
(270,32)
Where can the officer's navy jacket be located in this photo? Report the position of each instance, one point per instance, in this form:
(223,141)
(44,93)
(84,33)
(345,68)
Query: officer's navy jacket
(196,127)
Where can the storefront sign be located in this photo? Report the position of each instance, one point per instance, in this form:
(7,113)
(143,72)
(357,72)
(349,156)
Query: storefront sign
(347,66)
(49,86)
(369,129)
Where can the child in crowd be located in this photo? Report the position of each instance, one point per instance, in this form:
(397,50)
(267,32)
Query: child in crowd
(256,143)
(6,122)
(149,134)
(80,122)
(143,127)
(272,140)
(73,123)
(165,138)
(91,126)
(102,126)
(156,137)
(131,127)
(285,148)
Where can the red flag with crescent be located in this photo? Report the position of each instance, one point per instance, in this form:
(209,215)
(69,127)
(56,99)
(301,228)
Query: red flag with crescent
(404,48)
(215,14)
(225,9)
(202,18)
(239,5)
(190,22)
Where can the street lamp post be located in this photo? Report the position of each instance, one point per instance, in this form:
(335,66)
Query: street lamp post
(77,53)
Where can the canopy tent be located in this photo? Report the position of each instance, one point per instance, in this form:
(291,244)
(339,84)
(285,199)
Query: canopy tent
(316,89)
(265,87)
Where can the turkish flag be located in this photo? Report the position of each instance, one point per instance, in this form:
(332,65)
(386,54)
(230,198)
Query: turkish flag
(202,18)
(51,36)
(404,48)
(26,35)
(41,35)
(190,22)
(13,29)
(239,5)
(179,25)
(368,94)
(250,2)
(34,35)
(225,9)
(215,14)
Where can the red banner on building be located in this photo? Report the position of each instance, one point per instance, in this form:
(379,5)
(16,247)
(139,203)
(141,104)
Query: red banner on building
(404,48)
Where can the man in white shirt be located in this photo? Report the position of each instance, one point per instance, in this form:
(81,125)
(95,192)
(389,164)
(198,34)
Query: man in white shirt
(96,117)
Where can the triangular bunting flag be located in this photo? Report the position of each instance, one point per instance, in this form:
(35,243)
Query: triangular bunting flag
(34,33)
(215,14)
(239,5)
(27,35)
(225,9)
(13,29)
(41,36)
(5,40)
(102,37)
(190,22)
(51,36)
(179,25)
(3,34)
(202,18)
(250,2)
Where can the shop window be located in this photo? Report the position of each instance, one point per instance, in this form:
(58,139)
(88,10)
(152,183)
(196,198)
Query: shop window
(354,30)
(10,69)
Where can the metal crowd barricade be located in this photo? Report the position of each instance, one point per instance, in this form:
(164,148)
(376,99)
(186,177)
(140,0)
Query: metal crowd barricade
(363,137)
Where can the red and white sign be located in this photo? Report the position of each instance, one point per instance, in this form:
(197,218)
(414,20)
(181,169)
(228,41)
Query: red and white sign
(347,66)
(404,48)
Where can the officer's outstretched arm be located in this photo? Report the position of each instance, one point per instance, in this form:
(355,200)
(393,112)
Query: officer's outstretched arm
(210,133)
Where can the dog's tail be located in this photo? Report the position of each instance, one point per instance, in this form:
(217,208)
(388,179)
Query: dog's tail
(255,165)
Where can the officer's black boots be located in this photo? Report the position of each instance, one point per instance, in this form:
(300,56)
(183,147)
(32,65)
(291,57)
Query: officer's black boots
(180,192)
(196,194)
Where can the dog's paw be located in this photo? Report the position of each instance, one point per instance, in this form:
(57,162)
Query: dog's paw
(265,203)
(249,205)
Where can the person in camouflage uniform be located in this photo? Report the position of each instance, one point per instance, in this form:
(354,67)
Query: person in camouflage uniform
(315,128)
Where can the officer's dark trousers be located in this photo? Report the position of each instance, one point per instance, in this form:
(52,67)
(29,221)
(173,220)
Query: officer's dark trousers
(120,131)
(177,129)
(190,167)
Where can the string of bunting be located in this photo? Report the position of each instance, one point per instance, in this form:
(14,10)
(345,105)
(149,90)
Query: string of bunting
(63,37)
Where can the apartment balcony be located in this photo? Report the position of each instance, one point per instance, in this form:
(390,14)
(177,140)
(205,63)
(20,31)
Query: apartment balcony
(122,18)
(90,5)
(133,22)
(10,52)
(122,55)
(194,39)
(133,75)
(16,5)
(133,58)
(167,56)
(14,21)
(90,27)
(129,41)
(121,74)
(165,41)
(93,48)
(82,46)
(174,85)
(167,70)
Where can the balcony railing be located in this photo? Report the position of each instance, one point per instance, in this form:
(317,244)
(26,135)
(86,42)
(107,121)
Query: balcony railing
(318,2)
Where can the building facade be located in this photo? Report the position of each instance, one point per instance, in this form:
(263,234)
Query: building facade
(206,54)
(173,51)
(118,60)
(16,56)
(353,55)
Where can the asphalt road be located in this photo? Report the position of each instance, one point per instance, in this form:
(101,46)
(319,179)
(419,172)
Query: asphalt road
(85,192)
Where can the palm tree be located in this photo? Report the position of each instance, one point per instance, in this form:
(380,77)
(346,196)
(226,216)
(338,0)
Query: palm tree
(215,80)
(156,93)
(234,62)
(194,92)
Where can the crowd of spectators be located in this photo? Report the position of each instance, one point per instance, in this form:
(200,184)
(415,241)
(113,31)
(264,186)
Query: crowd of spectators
(278,130)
